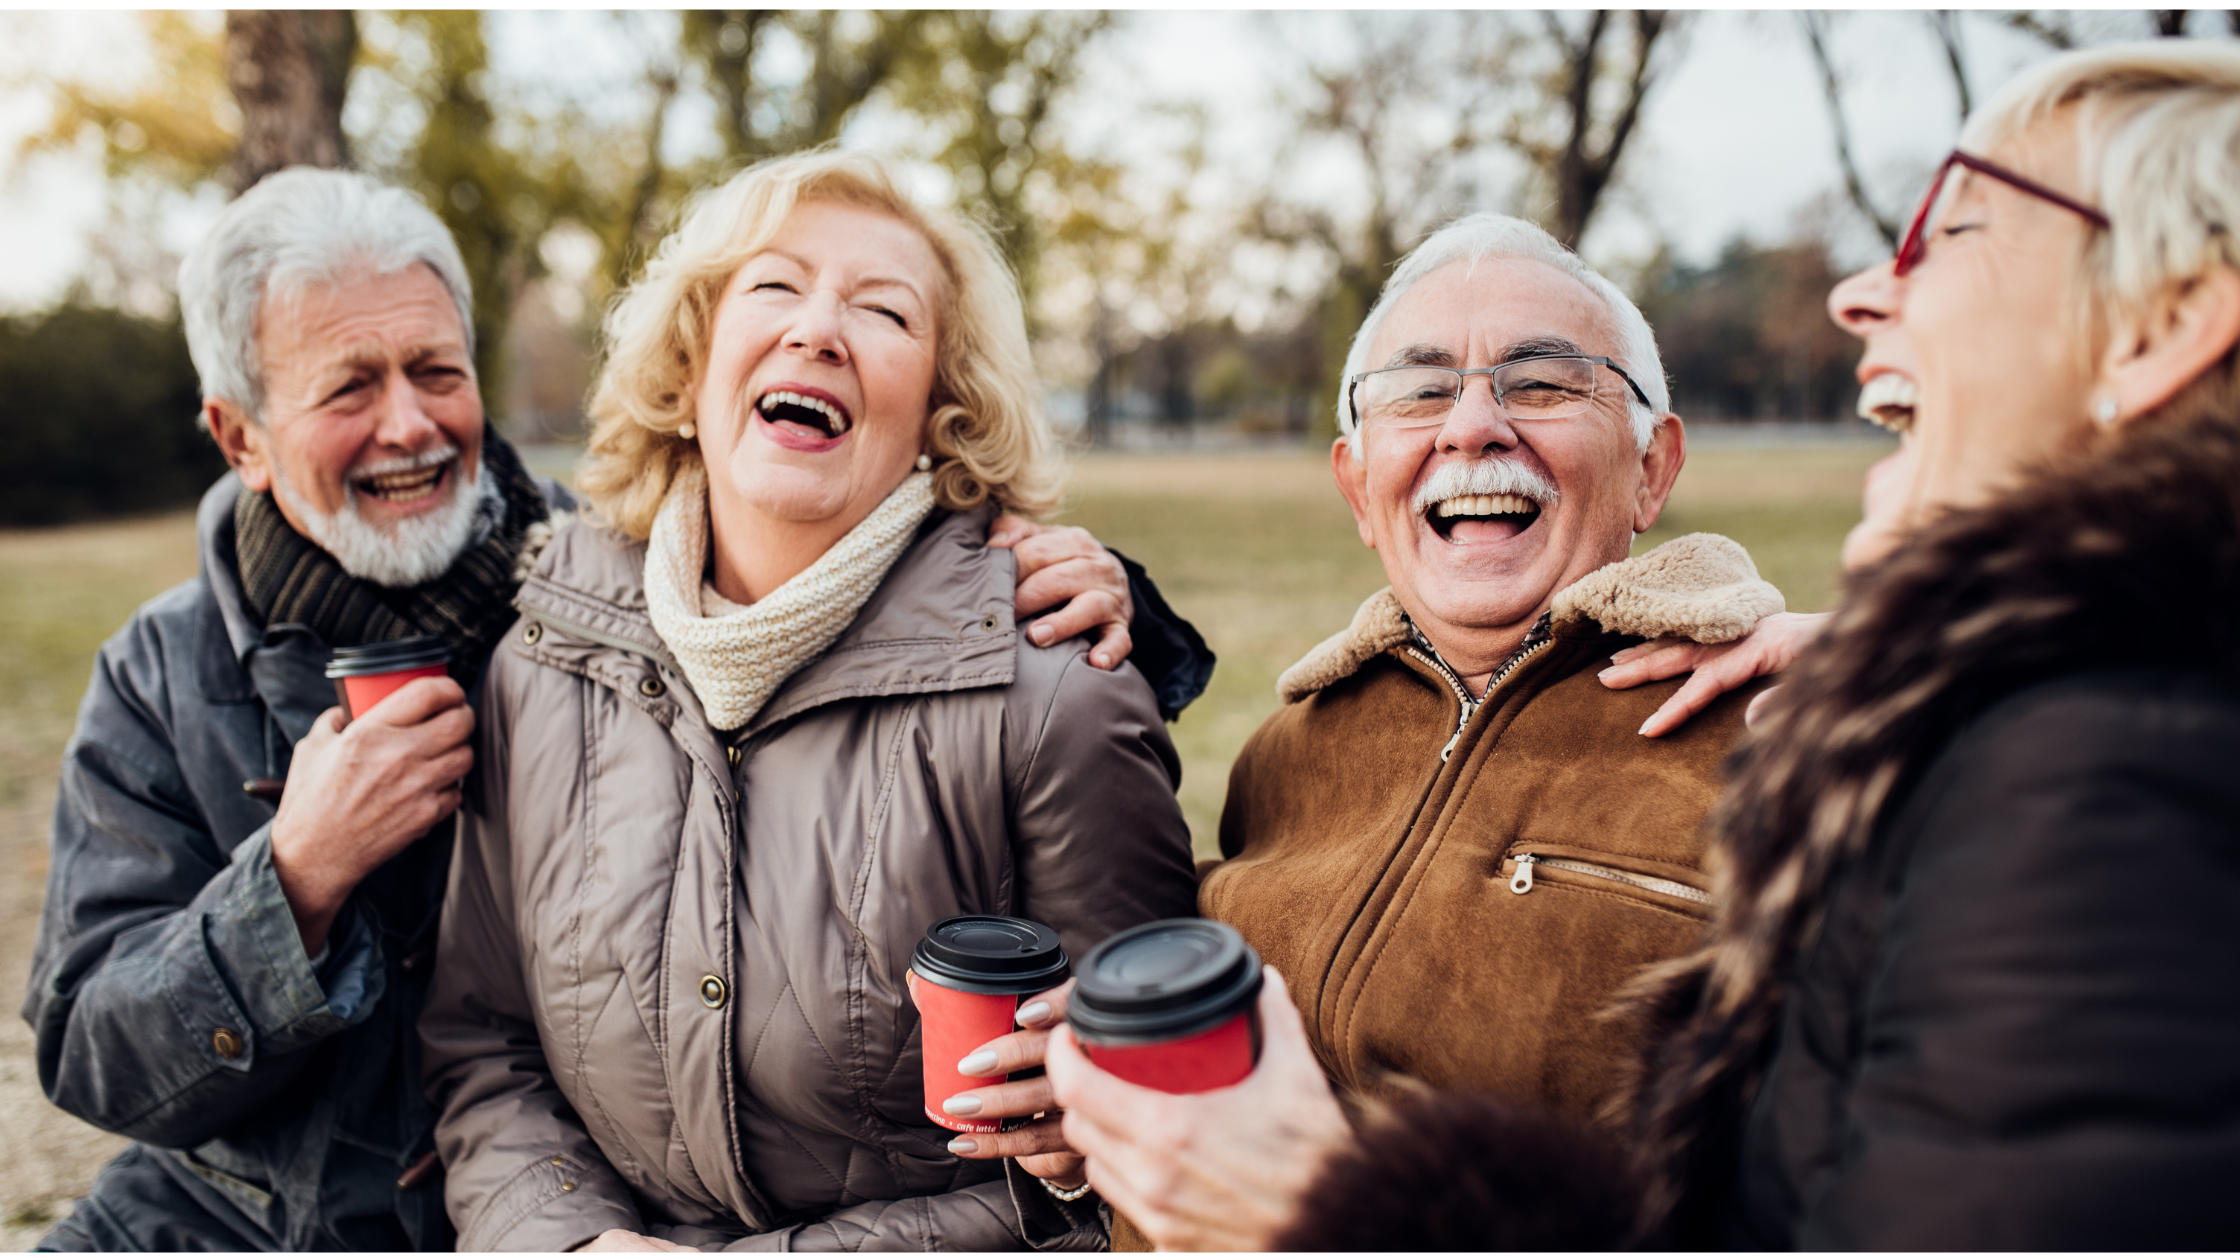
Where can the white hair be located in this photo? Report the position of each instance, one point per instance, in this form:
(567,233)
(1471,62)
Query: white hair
(1478,236)
(298,228)
(2158,145)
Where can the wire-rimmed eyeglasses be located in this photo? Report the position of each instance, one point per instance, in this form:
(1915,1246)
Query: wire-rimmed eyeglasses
(1541,387)
(1915,245)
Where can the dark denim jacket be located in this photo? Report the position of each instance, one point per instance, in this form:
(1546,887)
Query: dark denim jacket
(170,993)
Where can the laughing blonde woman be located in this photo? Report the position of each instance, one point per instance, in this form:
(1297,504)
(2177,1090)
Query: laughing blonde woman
(757,729)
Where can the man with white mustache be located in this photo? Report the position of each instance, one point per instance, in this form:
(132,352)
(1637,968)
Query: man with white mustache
(1452,841)
(241,906)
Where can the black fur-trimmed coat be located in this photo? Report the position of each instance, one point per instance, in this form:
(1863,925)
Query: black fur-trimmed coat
(1975,981)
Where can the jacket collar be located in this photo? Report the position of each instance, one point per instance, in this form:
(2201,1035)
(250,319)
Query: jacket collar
(1698,586)
(221,566)
(941,621)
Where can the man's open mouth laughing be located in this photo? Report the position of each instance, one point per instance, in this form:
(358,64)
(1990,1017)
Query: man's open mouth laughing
(809,417)
(402,483)
(1482,518)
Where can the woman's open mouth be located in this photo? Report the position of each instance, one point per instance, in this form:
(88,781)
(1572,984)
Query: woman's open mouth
(1482,518)
(817,416)
(1889,400)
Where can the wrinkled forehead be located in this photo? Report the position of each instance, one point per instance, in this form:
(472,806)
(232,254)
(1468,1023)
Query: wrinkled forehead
(1470,314)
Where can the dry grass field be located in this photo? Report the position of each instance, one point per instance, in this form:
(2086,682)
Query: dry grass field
(1258,550)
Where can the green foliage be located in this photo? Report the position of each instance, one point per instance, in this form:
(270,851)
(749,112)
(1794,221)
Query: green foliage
(497,188)
(100,417)
(180,125)
(985,83)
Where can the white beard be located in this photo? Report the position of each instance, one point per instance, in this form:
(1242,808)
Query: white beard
(411,551)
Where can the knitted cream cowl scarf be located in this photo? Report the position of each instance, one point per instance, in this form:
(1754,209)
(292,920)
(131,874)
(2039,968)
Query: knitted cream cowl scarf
(737,656)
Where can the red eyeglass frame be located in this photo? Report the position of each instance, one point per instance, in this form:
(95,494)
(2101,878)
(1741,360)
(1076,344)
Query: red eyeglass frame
(1915,245)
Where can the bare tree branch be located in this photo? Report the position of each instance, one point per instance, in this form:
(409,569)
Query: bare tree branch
(1814,30)
(1580,169)
(2053,32)
(1948,32)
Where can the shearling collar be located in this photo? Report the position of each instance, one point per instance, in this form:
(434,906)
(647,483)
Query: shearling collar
(1698,586)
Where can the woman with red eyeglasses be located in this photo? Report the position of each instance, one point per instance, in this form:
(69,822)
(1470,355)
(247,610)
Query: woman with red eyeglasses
(1975,979)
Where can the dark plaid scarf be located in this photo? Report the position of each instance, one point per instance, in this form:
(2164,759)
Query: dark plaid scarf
(286,578)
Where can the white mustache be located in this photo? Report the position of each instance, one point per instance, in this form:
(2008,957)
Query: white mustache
(1483,476)
(403,464)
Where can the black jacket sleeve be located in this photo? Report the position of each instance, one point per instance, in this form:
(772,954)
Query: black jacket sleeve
(2049,1057)
(1169,652)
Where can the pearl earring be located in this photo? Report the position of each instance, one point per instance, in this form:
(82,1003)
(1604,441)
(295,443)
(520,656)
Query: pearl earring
(925,463)
(2104,410)
(687,431)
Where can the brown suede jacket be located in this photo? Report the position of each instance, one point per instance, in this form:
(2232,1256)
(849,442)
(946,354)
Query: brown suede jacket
(1378,830)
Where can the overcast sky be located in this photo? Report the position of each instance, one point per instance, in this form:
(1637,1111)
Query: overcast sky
(1736,140)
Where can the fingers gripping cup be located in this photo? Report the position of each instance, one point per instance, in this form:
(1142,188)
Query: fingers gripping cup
(967,977)
(1171,1006)
(364,676)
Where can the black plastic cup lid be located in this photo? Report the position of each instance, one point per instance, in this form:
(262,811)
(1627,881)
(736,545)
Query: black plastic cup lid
(388,657)
(990,953)
(1164,980)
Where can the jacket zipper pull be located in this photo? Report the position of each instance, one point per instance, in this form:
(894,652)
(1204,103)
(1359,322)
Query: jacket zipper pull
(1468,709)
(1521,882)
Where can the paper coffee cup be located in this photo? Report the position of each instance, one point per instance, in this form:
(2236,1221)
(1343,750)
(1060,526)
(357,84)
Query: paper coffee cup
(364,676)
(1171,1006)
(967,976)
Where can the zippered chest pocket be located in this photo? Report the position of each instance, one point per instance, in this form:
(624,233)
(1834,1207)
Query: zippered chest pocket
(1529,869)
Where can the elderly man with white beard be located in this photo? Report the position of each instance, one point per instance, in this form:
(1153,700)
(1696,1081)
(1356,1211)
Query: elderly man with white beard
(1453,841)
(242,901)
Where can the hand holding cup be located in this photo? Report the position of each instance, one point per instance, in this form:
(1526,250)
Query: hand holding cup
(1039,1144)
(359,792)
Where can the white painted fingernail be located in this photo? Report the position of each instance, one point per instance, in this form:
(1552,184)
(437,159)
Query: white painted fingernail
(962,1104)
(978,1063)
(1031,1013)
(962,1146)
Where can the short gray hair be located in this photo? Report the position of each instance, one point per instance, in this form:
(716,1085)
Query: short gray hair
(297,228)
(1479,236)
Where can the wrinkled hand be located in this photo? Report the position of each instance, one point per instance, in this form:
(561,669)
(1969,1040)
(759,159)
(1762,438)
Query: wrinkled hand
(1219,1171)
(1064,564)
(624,1240)
(1039,1146)
(1718,667)
(357,795)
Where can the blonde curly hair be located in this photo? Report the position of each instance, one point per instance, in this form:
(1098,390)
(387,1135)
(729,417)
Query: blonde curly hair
(985,428)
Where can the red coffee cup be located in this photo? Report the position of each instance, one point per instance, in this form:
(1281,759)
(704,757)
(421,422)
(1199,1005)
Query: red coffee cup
(364,676)
(1171,1006)
(967,976)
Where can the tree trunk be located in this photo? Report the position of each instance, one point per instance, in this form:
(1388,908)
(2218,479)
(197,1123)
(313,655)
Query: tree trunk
(289,70)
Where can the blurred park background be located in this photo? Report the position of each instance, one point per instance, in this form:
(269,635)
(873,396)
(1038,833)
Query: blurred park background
(1200,207)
